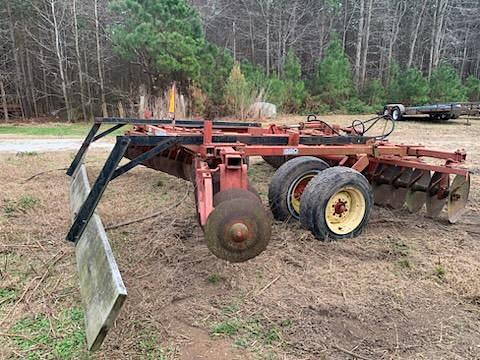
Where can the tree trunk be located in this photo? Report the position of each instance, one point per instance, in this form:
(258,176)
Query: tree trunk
(267,39)
(440,32)
(46,109)
(366,43)
(60,61)
(89,88)
(32,84)
(4,100)
(18,73)
(433,39)
(345,24)
(79,63)
(99,62)
(358,54)
(415,34)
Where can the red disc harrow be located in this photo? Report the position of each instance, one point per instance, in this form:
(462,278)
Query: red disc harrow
(327,176)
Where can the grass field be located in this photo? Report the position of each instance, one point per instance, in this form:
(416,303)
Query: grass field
(47,130)
(408,288)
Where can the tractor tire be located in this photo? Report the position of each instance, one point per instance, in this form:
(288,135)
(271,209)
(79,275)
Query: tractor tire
(276,161)
(337,204)
(287,185)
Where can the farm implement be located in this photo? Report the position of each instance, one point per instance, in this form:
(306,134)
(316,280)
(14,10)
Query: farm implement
(327,177)
(435,112)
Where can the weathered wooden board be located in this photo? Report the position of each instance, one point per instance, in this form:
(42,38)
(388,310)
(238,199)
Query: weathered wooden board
(101,285)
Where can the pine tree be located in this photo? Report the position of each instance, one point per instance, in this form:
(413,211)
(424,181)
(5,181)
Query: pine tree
(164,36)
(294,86)
(374,93)
(238,93)
(445,85)
(473,88)
(413,88)
(333,79)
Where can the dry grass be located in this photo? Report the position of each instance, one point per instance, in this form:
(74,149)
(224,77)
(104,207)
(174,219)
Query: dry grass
(407,288)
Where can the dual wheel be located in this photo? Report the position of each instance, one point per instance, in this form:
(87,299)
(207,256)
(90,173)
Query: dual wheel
(332,202)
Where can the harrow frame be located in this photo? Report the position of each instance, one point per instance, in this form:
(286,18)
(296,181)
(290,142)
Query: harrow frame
(238,141)
(214,156)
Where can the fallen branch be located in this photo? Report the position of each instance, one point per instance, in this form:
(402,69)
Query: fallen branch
(268,285)
(41,279)
(351,353)
(42,173)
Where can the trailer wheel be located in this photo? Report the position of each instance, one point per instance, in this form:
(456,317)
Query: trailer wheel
(396,113)
(238,230)
(342,201)
(288,183)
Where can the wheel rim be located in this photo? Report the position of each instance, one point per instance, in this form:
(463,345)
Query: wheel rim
(295,192)
(395,114)
(345,210)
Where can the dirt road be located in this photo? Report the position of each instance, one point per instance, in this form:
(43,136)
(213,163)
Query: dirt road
(9,145)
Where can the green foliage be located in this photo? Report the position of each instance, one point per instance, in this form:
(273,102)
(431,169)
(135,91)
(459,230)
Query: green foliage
(238,93)
(68,343)
(407,87)
(374,93)
(165,36)
(214,278)
(249,331)
(148,345)
(276,92)
(412,89)
(404,263)
(445,85)
(21,205)
(355,106)
(229,327)
(216,65)
(314,105)
(8,295)
(254,74)
(473,88)
(440,272)
(333,78)
(294,92)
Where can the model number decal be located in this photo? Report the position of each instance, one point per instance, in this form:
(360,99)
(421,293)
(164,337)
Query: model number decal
(291,151)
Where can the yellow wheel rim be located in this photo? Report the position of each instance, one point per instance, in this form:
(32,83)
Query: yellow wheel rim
(345,210)
(297,190)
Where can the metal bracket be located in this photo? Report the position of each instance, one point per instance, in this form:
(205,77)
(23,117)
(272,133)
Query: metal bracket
(91,137)
(86,211)
(109,172)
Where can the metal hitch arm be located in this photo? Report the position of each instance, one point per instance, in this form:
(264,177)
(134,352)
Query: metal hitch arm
(110,171)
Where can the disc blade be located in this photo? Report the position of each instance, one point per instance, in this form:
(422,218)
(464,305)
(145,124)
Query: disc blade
(383,190)
(381,194)
(400,191)
(458,197)
(398,198)
(436,198)
(416,197)
(238,229)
